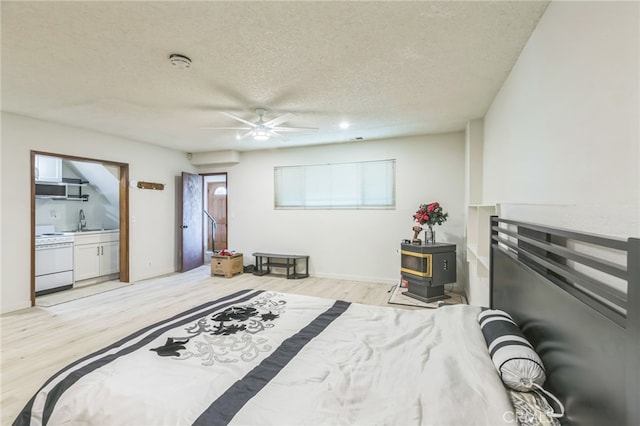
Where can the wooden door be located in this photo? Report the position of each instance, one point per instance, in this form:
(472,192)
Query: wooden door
(192,248)
(217,207)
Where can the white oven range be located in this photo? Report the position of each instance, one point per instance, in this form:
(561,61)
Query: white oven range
(54,260)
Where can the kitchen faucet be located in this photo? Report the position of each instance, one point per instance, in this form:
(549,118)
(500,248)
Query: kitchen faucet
(82,222)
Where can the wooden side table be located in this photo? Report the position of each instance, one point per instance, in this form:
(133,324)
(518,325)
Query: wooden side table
(227,265)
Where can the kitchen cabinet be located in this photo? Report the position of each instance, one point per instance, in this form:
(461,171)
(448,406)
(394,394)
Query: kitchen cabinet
(96,256)
(48,169)
(109,257)
(86,261)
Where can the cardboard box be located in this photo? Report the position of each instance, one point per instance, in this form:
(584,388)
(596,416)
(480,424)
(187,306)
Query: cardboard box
(227,265)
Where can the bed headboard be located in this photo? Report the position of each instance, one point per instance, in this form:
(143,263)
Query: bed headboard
(557,286)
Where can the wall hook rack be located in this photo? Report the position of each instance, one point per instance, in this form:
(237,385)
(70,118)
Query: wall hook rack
(151,185)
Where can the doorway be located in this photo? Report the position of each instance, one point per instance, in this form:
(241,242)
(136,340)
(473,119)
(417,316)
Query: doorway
(215,196)
(58,213)
(203,218)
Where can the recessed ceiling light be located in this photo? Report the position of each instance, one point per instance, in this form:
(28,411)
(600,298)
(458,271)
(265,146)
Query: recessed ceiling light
(344,125)
(180,61)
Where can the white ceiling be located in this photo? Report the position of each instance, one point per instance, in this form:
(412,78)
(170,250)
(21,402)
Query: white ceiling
(390,68)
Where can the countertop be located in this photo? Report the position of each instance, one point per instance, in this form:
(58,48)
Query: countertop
(89,231)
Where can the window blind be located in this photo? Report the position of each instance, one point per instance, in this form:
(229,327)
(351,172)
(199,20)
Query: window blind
(354,185)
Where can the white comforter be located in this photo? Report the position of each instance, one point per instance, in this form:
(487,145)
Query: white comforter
(265,358)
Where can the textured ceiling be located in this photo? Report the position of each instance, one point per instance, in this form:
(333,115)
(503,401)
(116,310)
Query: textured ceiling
(390,68)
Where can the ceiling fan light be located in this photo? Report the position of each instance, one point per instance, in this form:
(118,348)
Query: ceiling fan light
(261,135)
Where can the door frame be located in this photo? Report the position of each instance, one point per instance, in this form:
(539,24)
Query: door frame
(206,200)
(123,211)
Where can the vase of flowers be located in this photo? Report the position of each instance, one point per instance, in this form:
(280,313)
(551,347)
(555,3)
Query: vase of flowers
(430,214)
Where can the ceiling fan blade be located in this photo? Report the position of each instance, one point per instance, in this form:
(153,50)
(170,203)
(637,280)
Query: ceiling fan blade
(246,135)
(279,120)
(240,119)
(226,128)
(278,135)
(293,129)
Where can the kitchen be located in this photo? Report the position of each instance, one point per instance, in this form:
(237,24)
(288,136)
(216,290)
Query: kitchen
(76,223)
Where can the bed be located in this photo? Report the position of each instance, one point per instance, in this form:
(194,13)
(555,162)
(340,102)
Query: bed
(269,358)
(576,296)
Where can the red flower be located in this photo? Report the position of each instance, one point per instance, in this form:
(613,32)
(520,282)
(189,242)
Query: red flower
(430,214)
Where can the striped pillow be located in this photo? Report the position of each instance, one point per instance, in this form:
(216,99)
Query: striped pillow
(513,356)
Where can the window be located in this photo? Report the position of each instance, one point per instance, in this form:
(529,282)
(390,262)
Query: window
(361,185)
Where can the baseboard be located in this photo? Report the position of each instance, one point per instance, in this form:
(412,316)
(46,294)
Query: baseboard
(158,275)
(15,307)
(359,278)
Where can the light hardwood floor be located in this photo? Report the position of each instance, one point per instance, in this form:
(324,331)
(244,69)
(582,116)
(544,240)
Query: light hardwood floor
(39,341)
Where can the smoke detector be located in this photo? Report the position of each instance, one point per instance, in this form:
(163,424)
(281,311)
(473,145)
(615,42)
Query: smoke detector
(180,61)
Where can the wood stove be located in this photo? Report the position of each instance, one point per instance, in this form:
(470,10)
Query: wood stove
(426,268)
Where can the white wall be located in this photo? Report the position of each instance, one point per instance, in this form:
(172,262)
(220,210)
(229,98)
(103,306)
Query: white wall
(152,213)
(351,244)
(474,142)
(564,129)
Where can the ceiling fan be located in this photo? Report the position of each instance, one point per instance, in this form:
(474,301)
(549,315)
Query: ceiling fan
(262,130)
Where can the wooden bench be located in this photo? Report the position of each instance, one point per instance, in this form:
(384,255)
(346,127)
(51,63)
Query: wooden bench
(287,261)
